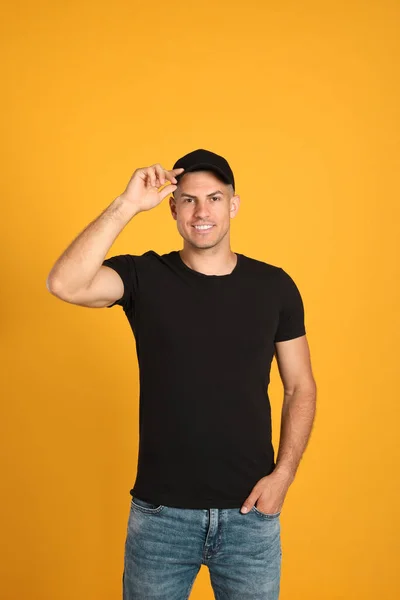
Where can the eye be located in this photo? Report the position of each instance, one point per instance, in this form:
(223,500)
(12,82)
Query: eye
(190,199)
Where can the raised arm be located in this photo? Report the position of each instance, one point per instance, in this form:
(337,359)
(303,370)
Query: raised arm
(78,276)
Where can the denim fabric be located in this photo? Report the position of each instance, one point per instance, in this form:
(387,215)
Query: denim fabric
(166,546)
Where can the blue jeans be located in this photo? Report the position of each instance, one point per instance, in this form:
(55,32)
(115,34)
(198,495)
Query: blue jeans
(166,546)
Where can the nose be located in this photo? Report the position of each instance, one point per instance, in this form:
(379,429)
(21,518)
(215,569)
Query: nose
(201,210)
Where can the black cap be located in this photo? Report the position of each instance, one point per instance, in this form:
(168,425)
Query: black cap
(205,160)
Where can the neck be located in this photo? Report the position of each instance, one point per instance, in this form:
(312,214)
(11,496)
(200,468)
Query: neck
(209,260)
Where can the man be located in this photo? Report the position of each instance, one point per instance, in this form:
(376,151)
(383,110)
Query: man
(207,323)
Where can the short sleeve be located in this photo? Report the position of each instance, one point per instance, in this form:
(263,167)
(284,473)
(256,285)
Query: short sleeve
(291,314)
(125,266)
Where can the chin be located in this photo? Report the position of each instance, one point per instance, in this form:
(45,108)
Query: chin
(203,245)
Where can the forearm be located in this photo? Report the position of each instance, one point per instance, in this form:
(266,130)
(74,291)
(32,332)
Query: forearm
(298,413)
(80,262)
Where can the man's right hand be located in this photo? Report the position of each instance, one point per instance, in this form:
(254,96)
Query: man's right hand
(142,189)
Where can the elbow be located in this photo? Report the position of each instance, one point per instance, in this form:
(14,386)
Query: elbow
(55,288)
(51,285)
(306,388)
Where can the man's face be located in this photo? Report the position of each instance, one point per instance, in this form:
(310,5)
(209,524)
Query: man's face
(203,199)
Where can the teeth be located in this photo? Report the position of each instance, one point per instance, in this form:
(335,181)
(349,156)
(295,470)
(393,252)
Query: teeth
(203,226)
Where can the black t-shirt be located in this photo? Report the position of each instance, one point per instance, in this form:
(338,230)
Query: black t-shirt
(205,344)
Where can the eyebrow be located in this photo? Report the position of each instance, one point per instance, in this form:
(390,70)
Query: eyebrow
(208,195)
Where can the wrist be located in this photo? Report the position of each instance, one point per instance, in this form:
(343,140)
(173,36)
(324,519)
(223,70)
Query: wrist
(125,207)
(284,473)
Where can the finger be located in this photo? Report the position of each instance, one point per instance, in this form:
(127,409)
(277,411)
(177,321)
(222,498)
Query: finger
(248,503)
(152,177)
(160,174)
(176,171)
(148,176)
(170,175)
(167,190)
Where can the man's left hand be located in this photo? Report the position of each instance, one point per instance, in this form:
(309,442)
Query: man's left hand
(268,494)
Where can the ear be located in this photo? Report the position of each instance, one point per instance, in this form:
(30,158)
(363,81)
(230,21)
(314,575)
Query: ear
(172,206)
(235,203)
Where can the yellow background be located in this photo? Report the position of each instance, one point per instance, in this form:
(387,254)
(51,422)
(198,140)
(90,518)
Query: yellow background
(303,100)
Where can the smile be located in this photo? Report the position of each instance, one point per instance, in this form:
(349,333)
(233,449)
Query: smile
(203,227)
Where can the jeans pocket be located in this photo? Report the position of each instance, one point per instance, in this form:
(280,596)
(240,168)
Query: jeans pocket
(145,506)
(266,515)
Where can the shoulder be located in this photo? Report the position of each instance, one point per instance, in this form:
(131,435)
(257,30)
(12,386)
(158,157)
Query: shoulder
(260,267)
(150,256)
(276,276)
(152,263)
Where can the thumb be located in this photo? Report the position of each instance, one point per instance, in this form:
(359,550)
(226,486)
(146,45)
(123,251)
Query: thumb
(249,503)
(167,190)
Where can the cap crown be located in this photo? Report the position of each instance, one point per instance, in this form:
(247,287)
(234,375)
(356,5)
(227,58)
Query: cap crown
(201,159)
